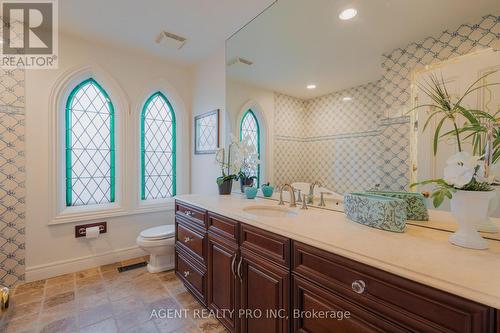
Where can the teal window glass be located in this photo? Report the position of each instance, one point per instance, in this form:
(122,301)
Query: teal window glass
(158,155)
(90,146)
(249,127)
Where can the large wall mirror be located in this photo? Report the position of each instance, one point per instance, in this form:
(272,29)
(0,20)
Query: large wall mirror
(331,89)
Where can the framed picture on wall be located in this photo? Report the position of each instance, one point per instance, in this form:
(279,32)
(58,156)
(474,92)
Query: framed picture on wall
(206,133)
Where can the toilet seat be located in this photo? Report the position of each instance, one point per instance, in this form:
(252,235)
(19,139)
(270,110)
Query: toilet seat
(158,233)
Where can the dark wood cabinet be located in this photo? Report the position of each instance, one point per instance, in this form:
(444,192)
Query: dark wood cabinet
(193,275)
(222,280)
(413,306)
(318,311)
(265,289)
(261,282)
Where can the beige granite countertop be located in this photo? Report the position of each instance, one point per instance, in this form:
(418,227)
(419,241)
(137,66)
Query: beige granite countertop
(420,254)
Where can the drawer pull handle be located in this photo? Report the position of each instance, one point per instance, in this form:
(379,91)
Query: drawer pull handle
(239,269)
(189,213)
(186,274)
(358,286)
(232,265)
(187,239)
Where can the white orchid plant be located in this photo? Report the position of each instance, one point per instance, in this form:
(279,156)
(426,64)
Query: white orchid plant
(246,157)
(462,172)
(242,158)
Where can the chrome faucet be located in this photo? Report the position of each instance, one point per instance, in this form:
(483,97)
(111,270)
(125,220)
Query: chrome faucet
(289,188)
(310,199)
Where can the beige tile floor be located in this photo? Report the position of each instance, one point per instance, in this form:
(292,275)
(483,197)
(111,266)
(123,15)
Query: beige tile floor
(103,300)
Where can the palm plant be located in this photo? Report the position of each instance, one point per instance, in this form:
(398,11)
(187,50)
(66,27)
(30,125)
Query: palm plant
(448,110)
(476,125)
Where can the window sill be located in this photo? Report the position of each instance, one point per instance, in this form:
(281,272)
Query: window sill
(64,218)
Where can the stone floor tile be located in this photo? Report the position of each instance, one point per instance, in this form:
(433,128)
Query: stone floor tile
(94,315)
(105,326)
(64,325)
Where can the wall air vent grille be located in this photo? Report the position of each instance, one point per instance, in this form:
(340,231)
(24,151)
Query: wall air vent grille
(170,40)
(240,61)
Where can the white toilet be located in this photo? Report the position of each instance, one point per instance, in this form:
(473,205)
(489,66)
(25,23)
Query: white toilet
(159,243)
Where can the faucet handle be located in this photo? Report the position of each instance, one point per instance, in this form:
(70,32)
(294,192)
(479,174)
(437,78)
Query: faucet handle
(299,195)
(322,200)
(304,201)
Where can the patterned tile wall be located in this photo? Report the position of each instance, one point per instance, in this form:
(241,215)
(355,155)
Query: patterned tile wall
(12,177)
(335,147)
(399,63)
(348,154)
(332,115)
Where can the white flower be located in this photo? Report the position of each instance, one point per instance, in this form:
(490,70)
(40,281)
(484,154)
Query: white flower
(457,175)
(460,169)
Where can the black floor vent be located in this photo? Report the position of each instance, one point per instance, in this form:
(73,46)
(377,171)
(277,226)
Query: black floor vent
(133,266)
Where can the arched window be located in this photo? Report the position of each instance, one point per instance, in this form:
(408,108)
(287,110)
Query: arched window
(158,158)
(249,127)
(90,146)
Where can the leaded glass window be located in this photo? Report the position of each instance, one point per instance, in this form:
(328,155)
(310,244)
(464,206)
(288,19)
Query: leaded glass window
(157,148)
(250,128)
(90,149)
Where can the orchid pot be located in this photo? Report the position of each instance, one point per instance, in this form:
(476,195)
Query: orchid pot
(469,208)
(246,182)
(472,197)
(225,187)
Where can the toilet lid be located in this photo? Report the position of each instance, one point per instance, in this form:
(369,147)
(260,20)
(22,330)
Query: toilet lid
(160,232)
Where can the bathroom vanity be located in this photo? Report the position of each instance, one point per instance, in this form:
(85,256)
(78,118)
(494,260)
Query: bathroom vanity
(284,271)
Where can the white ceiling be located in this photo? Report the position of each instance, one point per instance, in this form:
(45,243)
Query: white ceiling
(297,42)
(134,23)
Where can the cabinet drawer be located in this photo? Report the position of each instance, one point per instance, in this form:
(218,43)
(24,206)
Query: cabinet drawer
(270,246)
(193,214)
(193,276)
(191,241)
(223,226)
(413,306)
(333,313)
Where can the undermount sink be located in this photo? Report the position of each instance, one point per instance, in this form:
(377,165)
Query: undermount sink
(269,211)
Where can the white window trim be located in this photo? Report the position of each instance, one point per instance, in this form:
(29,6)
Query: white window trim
(60,213)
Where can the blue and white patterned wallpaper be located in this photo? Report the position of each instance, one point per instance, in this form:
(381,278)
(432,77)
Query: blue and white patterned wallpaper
(357,144)
(12,177)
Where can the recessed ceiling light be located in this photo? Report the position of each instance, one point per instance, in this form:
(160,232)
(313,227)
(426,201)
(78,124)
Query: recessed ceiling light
(348,14)
(311,86)
(347,99)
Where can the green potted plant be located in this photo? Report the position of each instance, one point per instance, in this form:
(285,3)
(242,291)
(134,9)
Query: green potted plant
(225,182)
(465,182)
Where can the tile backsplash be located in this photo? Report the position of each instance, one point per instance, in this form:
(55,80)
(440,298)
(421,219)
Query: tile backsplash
(12,177)
(354,145)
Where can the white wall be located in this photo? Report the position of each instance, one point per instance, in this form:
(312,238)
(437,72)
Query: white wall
(208,94)
(53,249)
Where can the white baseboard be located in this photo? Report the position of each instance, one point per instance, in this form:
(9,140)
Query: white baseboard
(56,268)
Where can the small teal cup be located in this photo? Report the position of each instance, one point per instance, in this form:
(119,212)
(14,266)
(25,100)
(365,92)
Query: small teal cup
(267,190)
(250,192)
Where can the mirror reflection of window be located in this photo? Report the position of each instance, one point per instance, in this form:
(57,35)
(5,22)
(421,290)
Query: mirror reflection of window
(249,128)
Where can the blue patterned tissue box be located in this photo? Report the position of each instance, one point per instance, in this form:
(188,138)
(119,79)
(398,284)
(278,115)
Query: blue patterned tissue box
(376,211)
(416,205)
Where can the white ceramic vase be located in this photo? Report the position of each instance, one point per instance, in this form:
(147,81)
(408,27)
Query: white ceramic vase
(470,208)
(487,225)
